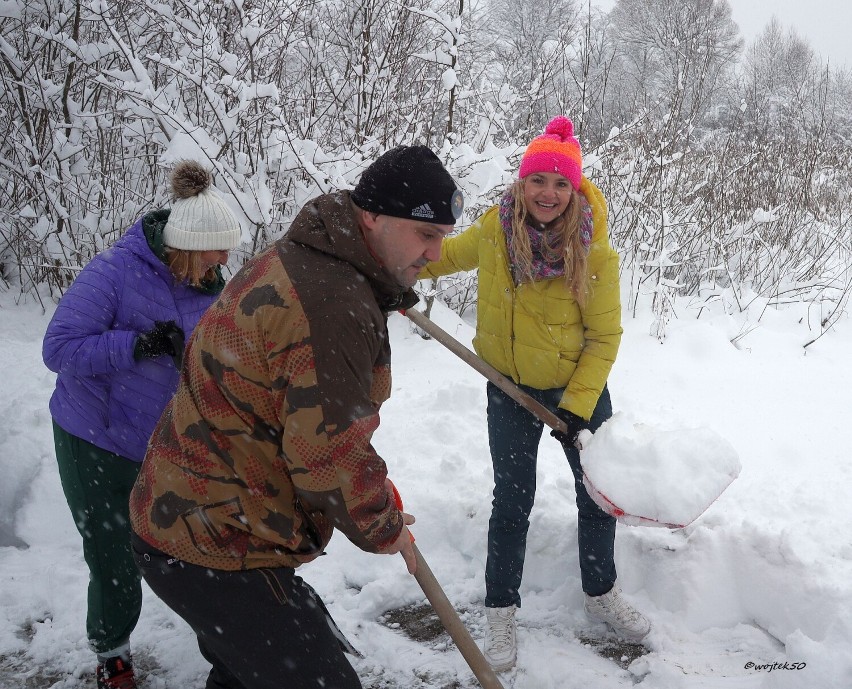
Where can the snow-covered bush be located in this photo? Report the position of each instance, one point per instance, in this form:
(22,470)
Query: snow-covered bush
(723,185)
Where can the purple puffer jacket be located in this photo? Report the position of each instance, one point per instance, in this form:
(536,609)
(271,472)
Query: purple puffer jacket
(102,395)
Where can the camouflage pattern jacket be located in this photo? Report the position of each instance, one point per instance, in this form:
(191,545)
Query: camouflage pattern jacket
(265,448)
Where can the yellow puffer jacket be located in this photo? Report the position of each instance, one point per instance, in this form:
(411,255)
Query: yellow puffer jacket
(535,333)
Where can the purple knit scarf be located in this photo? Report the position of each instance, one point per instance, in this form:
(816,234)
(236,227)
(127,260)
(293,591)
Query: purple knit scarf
(546,264)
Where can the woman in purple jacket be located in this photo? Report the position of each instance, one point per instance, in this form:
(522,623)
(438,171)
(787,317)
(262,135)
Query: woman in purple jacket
(116,342)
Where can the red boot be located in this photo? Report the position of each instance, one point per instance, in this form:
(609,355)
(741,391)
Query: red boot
(116,673)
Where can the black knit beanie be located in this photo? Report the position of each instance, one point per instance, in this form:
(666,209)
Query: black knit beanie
(410,182)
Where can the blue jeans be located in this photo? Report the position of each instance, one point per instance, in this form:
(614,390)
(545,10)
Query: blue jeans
(513,435)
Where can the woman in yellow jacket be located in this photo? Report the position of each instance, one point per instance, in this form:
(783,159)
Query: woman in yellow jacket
(549,318)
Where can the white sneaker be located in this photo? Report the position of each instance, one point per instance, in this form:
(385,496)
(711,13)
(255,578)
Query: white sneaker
(626,620)
(501,648)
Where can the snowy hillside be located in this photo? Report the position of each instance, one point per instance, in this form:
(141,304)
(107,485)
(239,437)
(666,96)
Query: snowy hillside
(762,579)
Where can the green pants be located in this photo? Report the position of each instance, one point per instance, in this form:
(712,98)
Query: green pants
(97,487)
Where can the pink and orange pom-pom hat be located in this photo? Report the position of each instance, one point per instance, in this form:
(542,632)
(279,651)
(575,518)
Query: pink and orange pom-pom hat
(555,151)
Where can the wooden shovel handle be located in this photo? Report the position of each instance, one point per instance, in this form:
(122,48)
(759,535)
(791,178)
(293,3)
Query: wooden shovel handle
(530,404)
(447,614)
(450,619)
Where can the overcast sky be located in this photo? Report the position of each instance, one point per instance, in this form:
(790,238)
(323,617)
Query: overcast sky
(826,24)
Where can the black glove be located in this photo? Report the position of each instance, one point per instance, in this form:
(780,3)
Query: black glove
(176,338)
(575,425)
(165,338)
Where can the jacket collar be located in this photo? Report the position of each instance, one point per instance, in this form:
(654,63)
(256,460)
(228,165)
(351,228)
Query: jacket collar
(328,224)
(153,225)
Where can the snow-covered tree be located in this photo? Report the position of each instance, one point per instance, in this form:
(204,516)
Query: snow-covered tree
(530,46)
(671,55)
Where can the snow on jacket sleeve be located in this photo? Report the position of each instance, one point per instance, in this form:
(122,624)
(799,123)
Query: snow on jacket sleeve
(80,339)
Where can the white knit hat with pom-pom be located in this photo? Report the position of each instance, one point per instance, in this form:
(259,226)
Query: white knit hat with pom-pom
(200,220)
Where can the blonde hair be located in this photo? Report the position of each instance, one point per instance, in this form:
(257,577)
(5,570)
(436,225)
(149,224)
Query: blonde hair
(186,266)
(568,244)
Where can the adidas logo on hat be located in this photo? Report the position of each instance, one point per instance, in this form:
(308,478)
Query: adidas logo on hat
(409,182)
(424,211)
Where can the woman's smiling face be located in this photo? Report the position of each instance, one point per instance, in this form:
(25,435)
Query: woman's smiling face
(546,195)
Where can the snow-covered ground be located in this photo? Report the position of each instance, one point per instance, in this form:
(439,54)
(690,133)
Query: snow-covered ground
(757,592)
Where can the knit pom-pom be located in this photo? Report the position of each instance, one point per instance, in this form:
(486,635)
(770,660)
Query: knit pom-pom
(561,126)
(189,179)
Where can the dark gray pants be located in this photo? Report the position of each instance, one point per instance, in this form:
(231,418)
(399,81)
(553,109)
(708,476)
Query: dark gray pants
(514,435)
(259,629)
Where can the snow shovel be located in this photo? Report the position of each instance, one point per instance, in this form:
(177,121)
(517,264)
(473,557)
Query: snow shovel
(666,503)
(449,618)
(681,471)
